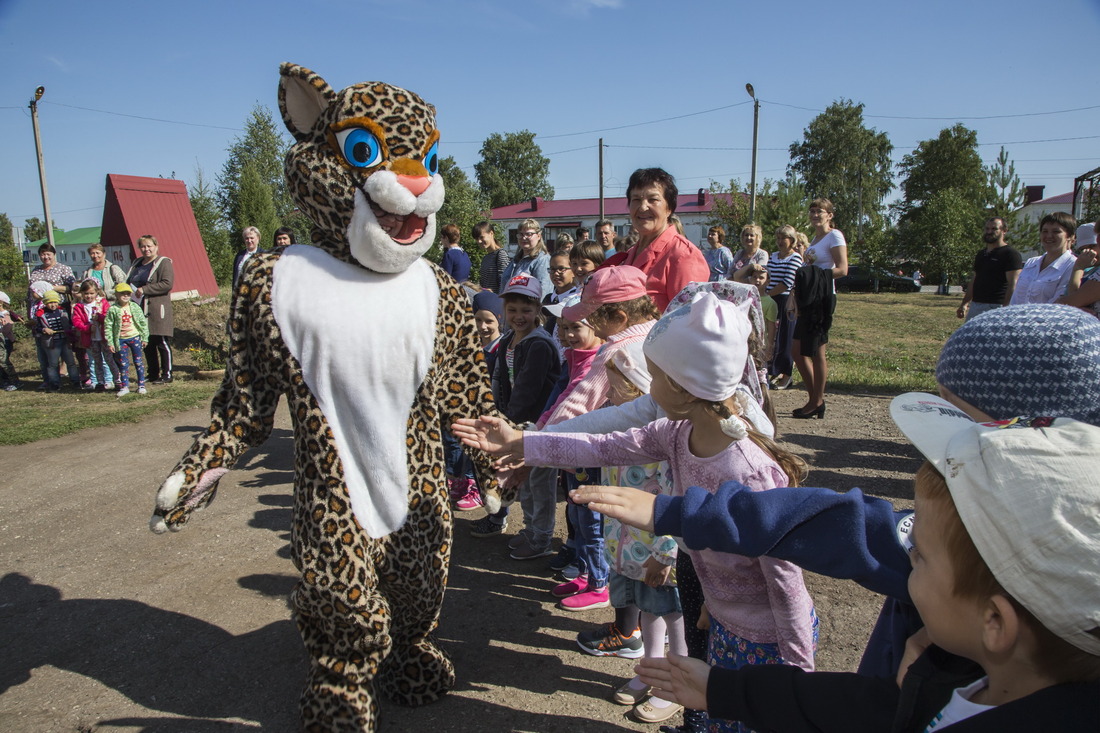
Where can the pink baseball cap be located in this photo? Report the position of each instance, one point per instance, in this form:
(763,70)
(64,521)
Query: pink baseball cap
(607,285)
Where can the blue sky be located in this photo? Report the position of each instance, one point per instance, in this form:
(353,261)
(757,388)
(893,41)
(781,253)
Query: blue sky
(556,67)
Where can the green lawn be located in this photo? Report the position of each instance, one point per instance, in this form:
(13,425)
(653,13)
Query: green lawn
(885,343)
(888,342)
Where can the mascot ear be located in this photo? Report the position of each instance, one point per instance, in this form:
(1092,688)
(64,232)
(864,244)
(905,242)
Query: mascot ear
(303,95)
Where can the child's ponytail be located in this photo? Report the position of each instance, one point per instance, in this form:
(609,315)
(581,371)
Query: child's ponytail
(795,468)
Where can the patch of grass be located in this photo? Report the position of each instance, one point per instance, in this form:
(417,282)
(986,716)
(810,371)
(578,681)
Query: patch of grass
(880,343)
(30,415)
(198,344)
(887,342)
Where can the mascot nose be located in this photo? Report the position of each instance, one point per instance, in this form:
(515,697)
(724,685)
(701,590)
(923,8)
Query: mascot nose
(416,184)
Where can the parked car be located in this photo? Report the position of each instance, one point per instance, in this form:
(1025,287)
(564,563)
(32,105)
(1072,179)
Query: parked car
(860,278)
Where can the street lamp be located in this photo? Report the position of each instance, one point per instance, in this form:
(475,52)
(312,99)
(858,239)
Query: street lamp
(41,163)
(755,131)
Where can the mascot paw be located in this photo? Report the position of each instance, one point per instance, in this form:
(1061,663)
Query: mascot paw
(175,501)
(492,501)
(416,675)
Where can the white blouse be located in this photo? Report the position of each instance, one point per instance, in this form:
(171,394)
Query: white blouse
(1045,286)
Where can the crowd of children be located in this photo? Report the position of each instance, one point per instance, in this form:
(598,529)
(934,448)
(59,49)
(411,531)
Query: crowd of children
(94,341)
(657,426)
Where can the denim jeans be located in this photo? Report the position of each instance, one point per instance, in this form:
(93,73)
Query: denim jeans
(457,463)
(538,497)
(57,350)
(588,526)
(976,309)
(102,364)
(126,348)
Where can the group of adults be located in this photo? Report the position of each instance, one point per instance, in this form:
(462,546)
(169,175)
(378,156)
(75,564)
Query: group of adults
(1066,272)
(152,278)
(805,296)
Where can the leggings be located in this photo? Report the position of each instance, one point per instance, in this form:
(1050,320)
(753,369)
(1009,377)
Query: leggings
(126,348)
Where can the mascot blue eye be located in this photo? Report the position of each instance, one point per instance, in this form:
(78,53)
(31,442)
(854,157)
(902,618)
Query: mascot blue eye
(431,160)
(360,147)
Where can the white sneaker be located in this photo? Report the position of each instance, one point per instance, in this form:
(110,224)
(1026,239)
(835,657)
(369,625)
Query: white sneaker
(123,391)
(141,390)
(110,386)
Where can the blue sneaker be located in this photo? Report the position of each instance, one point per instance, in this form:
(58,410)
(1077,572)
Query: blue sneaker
(565,557)
(572,571)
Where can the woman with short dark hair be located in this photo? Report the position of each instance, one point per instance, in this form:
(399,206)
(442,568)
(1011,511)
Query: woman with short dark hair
(668,259)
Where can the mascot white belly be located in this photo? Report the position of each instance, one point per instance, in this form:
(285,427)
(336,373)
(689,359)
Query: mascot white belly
(364,341)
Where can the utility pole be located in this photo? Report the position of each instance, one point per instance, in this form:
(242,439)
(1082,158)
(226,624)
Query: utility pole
(41,163)
(601,179)
(755,132)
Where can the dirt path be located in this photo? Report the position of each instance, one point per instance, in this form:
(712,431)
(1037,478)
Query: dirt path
(107,627)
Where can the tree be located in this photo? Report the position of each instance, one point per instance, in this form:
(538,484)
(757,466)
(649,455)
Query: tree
(945,228)
(35,229)
(255,203)
(215,237)
(1006,195)
(513,169)
(949,162)
(846,162)
(463,206)
(780,203)
(264,146)
(731,214)
(13,275)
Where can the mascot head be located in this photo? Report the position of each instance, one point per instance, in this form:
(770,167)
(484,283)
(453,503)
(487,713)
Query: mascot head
(365,167)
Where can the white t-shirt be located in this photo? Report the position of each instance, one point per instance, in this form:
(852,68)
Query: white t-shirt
(823,251)
(959,706)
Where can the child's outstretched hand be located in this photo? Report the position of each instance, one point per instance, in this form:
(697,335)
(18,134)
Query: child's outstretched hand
(629,506)
(679,679)
(491,434)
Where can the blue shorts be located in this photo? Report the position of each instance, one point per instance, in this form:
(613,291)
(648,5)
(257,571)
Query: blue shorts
(655,601)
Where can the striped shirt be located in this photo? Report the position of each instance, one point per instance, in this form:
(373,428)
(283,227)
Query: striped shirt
(493,265)
(782,269)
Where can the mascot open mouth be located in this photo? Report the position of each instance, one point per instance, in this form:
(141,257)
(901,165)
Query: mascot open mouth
(391,227)
(402,229)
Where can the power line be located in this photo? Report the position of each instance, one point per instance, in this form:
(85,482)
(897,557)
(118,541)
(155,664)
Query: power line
(955,117)
(140,117)
(674,147)
(618,127)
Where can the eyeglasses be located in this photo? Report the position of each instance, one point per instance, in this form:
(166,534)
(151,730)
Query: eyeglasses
(559,270)
(528,234)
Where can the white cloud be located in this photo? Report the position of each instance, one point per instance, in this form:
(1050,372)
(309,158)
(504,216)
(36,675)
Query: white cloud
(586,5)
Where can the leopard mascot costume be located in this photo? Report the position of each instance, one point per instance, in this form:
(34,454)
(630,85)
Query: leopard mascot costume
(374,348)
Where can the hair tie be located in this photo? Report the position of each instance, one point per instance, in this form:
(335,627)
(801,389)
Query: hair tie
(734,427)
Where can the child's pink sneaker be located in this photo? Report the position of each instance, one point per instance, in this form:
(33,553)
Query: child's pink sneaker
(471,501)
(458,488)
(570,588)
(590,599)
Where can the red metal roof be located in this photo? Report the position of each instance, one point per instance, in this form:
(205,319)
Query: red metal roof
(136,205)
(686,203)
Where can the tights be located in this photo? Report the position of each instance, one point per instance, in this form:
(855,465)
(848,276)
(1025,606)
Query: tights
(627,619)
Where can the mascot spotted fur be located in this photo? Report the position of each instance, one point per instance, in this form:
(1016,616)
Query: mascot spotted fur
(367,389)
